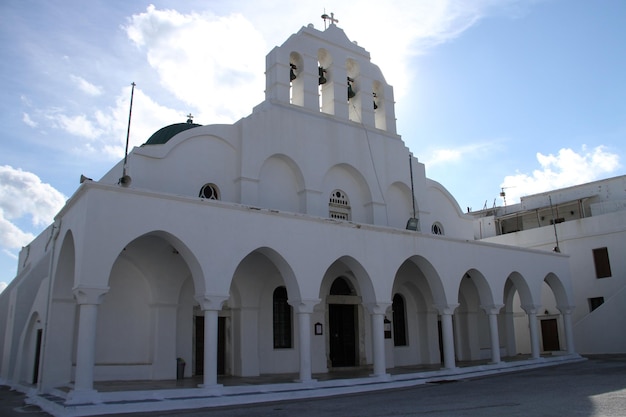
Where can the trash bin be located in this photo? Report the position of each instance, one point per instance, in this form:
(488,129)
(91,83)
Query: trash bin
(180,368)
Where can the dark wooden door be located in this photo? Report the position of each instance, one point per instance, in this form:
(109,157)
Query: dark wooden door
(199,329)
(221,345)
(37,356)
(550,335)
(343,334)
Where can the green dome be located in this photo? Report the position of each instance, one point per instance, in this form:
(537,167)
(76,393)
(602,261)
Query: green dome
(166,133)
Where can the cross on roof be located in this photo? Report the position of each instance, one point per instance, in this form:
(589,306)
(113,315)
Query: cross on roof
(331,18)
(189,118)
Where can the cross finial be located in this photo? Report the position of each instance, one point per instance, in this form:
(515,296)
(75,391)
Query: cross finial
(331,18)
(190,118)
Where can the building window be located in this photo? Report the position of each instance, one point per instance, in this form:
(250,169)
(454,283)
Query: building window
(601,262)
(210,192)
(595,302)
(282,319)
(341,286)
(436,228)
(339,206)
(399,321)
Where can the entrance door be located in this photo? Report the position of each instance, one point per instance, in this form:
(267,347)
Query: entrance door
(37,356)
(550,335)
(199,348)
(221,345)
(343,334)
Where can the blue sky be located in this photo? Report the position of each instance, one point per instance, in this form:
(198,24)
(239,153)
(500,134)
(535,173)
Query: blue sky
(526,95)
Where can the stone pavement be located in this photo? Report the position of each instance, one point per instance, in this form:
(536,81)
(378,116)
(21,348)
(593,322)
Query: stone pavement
(541,388)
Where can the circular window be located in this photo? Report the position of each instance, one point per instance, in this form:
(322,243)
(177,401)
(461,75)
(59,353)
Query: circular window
(437,228)
(209,191)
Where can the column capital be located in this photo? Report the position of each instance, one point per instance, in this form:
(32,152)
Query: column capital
(89,295)
(211,301)
(566,309)
(304,306)
(531,308)
(377,307)
(446,309)
(492,308)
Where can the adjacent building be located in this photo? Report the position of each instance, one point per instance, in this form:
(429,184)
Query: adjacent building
(588,223)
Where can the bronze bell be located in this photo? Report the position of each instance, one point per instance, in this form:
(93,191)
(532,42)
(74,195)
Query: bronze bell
(374,101)
(351,92)
(292,74)
(322,79)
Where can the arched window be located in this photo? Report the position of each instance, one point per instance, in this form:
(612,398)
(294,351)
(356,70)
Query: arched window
(436,228)
(341,286)
(399,321)
(210,192)
(296,79)
(282,319)
(339,206)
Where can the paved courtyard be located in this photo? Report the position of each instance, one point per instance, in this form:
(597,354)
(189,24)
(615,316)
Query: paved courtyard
(591,388)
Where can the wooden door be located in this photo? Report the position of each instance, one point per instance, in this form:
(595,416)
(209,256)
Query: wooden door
(550,335)
(343,334)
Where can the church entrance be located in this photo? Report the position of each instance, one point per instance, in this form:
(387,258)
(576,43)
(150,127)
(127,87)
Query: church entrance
(343,324)
(343,334)
(199,345)
(550,335)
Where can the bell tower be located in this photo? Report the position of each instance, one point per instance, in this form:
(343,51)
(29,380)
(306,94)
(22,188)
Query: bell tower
(323,71)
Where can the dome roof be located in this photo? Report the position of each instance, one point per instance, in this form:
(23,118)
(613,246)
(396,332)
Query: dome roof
(166,133)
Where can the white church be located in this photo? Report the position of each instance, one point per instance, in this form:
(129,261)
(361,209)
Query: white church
(303,239)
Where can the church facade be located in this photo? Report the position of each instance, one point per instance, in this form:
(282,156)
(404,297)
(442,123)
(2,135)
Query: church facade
(304,238)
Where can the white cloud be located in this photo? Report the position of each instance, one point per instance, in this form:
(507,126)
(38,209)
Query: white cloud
(106,128)
(78,125)
(85,86)
(11,236)
(211,63)
(3,285)
(565,169)
(22,194)
(30,122)
(434,157)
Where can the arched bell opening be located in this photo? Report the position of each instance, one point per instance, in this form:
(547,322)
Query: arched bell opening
(296,82)
(353,90)
(325,85)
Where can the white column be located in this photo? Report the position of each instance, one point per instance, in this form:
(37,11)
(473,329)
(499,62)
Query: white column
(88,300)
(378,330)
(210,347)
(211,305)
(492,314)
(377,311)
(567,327)
(304,309)
(304,323)
(532,326)
(509,318)
(447,335)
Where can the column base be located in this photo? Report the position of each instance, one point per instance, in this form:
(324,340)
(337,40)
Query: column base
(305,381)
(87,396)
(382,377)
(213,389)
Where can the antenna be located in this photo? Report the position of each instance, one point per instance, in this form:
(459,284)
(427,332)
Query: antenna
(503,194)
(556,237)
(125,180)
